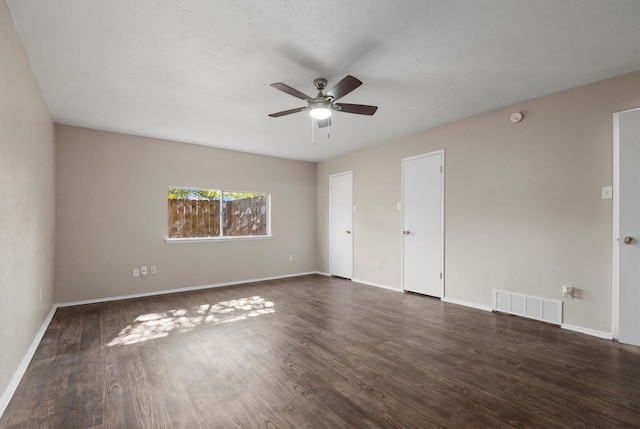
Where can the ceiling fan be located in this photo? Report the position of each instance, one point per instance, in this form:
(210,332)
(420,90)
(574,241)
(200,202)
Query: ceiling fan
(322,105)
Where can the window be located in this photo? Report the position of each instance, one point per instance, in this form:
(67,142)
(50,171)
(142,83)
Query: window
(209,213)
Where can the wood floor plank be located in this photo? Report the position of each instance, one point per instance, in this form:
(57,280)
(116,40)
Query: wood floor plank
(318,352)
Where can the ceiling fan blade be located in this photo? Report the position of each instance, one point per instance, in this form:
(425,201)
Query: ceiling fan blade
(288,112)
(360,109)
(343,87)
(291,91)
(323,123)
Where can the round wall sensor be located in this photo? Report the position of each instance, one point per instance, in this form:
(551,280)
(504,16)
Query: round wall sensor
(516,117)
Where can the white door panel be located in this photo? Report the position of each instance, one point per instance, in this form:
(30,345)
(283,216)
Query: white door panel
(341,225)
(627,126)
(422,202)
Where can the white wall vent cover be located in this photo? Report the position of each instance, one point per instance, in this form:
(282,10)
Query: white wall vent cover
(546,310)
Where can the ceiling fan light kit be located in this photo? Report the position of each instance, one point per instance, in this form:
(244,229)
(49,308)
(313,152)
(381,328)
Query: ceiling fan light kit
(322,105)
(320,110)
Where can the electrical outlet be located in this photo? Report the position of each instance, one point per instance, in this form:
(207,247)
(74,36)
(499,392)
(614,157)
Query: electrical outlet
(154,270)
(136,272)
(290,258)
(378,264)
(143,271)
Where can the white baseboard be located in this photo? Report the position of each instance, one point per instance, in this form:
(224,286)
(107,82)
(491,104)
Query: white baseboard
(364,282)
(321,273)
(183,289)
(467,304)
(592,332)
(22,368)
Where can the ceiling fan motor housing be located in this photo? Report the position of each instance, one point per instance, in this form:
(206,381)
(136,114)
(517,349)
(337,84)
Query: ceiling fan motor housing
(320,103)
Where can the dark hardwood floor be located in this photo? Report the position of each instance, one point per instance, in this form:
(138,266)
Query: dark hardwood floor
(318,352)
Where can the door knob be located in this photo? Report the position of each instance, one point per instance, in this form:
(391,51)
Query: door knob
(406,232)
(348,232)
(629,240)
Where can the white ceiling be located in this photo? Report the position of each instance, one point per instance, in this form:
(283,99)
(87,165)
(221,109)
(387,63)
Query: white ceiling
(198,71)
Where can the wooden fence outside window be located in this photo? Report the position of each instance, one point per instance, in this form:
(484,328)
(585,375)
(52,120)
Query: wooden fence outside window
(201,218)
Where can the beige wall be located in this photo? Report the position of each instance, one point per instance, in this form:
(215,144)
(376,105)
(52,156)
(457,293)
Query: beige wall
(523,207)
(26,204)
(111,207)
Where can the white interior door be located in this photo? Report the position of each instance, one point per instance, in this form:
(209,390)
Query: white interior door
(422,226)
(627,237)
(341,225)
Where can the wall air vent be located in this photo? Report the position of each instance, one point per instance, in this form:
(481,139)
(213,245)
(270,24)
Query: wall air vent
(546,310)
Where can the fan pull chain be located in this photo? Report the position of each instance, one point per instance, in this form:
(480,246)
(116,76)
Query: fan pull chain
(314,125)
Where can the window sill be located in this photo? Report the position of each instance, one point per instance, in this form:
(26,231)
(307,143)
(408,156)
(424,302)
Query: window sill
(212,239)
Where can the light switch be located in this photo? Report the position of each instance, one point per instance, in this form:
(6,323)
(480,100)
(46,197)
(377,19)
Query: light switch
(607,192)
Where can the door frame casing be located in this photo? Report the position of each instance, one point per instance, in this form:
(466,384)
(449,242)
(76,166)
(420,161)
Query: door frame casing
(442,221)
(350,172)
